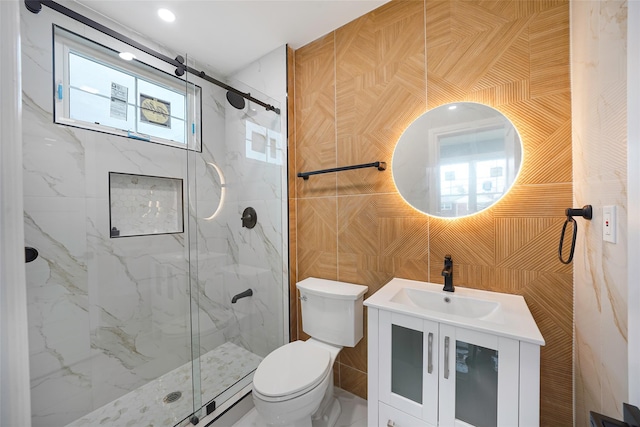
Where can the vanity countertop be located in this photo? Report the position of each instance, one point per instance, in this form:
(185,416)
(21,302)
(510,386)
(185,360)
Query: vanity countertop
(484,311)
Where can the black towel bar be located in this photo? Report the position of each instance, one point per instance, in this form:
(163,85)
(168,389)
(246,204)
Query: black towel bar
(380,165)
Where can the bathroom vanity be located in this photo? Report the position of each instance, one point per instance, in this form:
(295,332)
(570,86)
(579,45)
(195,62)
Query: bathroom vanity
(463,358)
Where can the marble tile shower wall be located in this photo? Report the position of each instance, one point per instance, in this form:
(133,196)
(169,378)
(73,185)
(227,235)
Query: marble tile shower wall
(108,315)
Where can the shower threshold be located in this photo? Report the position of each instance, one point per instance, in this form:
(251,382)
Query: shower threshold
(220,369)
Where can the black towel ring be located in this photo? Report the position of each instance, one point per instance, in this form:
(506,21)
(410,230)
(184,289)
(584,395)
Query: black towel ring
(587,213)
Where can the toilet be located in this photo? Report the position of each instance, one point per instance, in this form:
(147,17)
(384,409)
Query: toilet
(293,385)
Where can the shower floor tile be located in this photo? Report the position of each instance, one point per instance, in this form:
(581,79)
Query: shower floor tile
(220,368)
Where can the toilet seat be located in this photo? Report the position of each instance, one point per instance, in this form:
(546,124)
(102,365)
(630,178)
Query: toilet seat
(291,371)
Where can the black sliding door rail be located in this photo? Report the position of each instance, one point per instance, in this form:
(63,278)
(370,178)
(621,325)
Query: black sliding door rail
(35,6)
(380,165)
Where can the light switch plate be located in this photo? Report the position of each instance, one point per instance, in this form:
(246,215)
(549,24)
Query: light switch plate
(609,223)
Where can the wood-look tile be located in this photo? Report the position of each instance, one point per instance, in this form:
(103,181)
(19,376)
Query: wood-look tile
(513,234)
(363,84)
(403,237)
(356,357)
(317,224)
(412,269)
(291,125)
(372,235)
(529,244)
(438,23)
(549,160)
(525,8)
(380,90)
(440,91)
(506,9)
(364,270)
(511,92)
(513,281)
(314,66)
(550,300)
(479,52)
(353,381)
(316,238)
(546,200)
(314,90)
(313,263)
(465,275)
(358,229)
(538,119)
(470,240)
(472,18)
(512,66)
(549,39)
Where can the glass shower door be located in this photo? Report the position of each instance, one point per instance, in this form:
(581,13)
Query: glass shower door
(241,166)
(109,306)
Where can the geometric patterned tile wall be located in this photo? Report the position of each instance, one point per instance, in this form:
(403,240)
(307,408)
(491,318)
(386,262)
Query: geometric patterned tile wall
(356,89)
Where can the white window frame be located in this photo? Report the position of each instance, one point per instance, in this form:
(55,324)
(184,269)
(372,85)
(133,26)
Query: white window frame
(66,42)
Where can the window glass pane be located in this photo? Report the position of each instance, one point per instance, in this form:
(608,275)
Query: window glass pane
(100,94)
(161,112)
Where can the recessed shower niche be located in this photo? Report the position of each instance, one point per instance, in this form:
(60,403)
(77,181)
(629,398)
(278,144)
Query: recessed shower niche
(144,205)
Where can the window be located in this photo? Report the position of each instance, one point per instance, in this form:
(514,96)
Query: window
(96,89)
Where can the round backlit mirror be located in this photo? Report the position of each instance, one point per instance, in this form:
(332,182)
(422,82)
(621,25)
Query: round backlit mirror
(457,159)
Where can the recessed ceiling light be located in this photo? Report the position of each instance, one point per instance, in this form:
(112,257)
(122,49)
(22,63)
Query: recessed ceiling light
(166,15)
(127,56)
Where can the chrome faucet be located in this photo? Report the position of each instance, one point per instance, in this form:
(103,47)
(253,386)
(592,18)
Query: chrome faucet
(447,272)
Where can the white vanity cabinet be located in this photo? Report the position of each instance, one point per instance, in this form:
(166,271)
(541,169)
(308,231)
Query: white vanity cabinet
(427,371)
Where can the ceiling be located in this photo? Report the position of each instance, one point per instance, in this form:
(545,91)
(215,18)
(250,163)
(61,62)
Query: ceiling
(226,35)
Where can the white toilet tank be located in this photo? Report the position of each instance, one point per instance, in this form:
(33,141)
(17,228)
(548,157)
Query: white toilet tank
(332,311)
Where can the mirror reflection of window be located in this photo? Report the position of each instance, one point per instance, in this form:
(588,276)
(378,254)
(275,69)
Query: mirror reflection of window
(454,188)
(472,170)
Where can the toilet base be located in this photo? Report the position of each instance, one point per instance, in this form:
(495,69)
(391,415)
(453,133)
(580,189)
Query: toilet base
(325,416)
(330,415)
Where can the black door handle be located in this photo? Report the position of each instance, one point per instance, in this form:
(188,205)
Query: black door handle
(30,254)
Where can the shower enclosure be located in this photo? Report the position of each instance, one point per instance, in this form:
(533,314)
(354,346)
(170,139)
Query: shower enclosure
(142,247)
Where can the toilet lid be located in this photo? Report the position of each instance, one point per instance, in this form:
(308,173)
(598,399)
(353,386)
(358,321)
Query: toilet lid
(291,368)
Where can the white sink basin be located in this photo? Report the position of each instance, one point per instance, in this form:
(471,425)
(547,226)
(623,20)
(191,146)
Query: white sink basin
(497,313)
(446,302)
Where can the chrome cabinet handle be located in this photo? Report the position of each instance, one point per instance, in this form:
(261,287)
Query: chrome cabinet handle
(390,423)
(430,357)
(446,358)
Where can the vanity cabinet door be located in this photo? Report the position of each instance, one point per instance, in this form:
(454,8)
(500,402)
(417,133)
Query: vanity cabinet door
(408,365)
(478,379)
